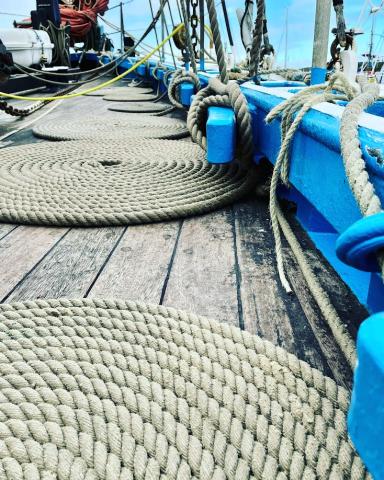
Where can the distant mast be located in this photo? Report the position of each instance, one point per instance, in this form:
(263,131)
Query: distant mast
(320,43)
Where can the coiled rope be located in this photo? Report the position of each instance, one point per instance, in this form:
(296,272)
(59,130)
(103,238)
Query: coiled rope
(111,127)
(218,94)
(257,39)
(135,182)
(116,390)
(142,107)
(179,77)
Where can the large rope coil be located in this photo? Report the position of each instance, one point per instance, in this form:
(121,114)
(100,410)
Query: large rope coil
(218,94)
(121,390)
(179,77)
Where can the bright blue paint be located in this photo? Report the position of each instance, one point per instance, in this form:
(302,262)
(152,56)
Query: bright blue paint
(271,84)
(359,244)
(160,74)
(141,70)
(187,89)
(318,75)
(366,415)
(221,135)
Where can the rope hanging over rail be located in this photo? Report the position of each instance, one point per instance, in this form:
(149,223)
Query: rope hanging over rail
(116,390)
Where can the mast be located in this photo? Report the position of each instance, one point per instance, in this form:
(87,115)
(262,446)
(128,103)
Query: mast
(320,43)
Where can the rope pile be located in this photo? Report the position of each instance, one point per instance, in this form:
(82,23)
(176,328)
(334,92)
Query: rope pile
(118,90)
(82,19)
(111,128)
(116,390)
(179,77)
(92,184)
(128,95)
(218,94)
(141,107)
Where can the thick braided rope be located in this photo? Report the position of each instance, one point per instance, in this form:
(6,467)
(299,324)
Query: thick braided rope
(141,107)
(217,94)
(363,190)
(354,163)
(178,78)
(117,390)
(115,127)
(134,91)
(128,95)
(257,39)
(136,182)
(217,41)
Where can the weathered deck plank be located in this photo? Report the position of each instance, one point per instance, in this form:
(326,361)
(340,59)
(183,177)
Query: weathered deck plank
(70,268)
(268,310)
(203,277)
(140,264)
(21,250)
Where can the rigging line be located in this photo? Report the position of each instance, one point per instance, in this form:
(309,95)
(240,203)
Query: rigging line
(14,14)
(170,41)
(179,10)
(118,5)
(156,35)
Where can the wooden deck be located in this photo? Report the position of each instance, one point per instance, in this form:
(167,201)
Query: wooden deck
(221,265)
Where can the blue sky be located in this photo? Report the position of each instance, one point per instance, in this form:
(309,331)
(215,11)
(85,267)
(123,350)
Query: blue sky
(300,13)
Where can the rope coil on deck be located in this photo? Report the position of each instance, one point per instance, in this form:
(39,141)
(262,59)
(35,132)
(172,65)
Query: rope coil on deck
(218,94)
(179,77)
(118,390)
(112,127)
(142,107)
(91,184)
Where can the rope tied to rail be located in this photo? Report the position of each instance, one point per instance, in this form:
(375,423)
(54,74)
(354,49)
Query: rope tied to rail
(293,111)
(220,95)
(117,390)
(179,77)
(355,167)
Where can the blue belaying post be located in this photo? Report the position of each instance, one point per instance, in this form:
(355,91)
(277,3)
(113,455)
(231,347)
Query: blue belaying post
(320,43)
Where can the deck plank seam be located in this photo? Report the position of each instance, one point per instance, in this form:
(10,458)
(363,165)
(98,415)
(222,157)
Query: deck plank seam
(171,262)
(237,271)
(20,282)
(7,233)
(105,263)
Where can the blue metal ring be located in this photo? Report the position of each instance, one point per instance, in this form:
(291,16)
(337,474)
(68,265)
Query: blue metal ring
(359,244)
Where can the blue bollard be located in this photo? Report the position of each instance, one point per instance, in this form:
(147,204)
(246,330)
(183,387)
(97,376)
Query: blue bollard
(187,90)
(221,135)
(141,70)
(318,75)
(366,415)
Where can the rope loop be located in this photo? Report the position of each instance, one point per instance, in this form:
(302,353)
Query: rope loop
(181,76)
(220,95)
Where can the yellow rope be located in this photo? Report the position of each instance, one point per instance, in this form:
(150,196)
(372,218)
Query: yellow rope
(105,84)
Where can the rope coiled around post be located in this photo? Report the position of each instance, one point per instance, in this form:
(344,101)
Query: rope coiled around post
(179,77)
(218,94)
(122,390)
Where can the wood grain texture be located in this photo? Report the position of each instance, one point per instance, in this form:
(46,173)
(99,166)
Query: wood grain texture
(268,310)
(139,266)
(6,229)
(21,250)
(71,267)
(203,277)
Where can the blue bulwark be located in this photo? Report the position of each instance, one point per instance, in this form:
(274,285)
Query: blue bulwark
(141,70)
(221,135)
(187,90)
(318,75)
(366,416)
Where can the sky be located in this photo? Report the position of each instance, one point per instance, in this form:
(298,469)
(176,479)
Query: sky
(301,14)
